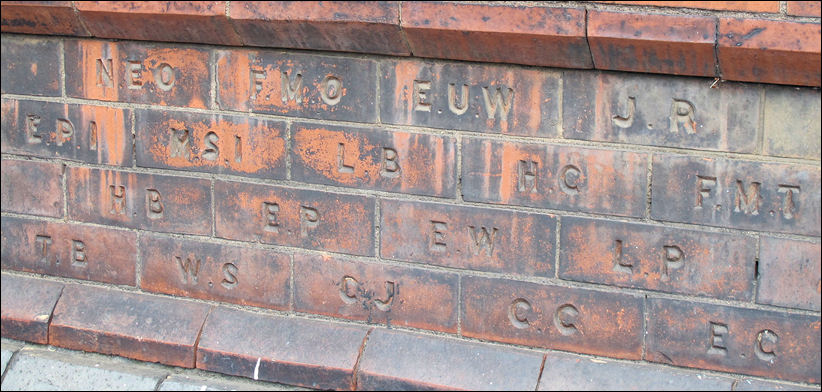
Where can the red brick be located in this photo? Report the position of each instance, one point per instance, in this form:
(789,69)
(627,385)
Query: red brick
(178,21)
(30,66)
(789,273)
(85,133)
(561,318)
(660,111)
(415,163)
(322,87)
(138,73)
(554,176)
(70,250)
(400,296)
(470,97)
(781,52)
(40,17)
(204,270)
(350,26)
(34,188)
(641,42)
(394,360)
(295,351)
(139,326)
(762,343)
(295,217)
(791,122)
(551,37)
(748,6)
(211,143)
(27,307)
(658,258)
(805,8)
(568,372)
(723,192)
(468,237)
(140,201)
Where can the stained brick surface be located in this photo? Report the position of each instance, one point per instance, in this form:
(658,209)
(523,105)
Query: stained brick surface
(211,143)
(394,360)
(756,342)
(85,133)
(40,17)
(27,305)
(30,66)
(376,293)
(139,326)
(555,317)
(204,270)
(70,250)
(32,188)
(789,273)
(791,122)
(309,353)
(410,163)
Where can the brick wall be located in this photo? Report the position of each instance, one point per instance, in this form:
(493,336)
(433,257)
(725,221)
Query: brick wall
(332,218)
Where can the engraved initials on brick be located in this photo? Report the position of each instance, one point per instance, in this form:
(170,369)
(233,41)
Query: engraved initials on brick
(482,239)
(309,219)
(230,272)
(291,89)
(527,176)
(420,96)
(348,289)
(570,179)
(565,319)
(619,266)
(78,253)
(390,166)
(270,211)
(748,201)
(704,186)
(154,205)
(189,268)
(65,130)
(437,243)
(352,292)
(164,77)
(765,345)
(518,313)
(32,122)
(672,259)
(788,204)
(118,199)
(180,143)
(211,152)
(42,243)
(257,77)
(461,107)
(717,332)
(682,116)
(501,102)
(341,166)
(134,75)
(390,290)
(331,90)
(105,73)
(628,120)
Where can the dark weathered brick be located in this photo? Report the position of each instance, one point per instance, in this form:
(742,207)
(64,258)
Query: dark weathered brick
(144,327)
(404,162)
(472,238)
(658,258)
(562,318)
(27,306)
(371,27)
(568,372)
(644,42)
(296,84)
(138,73)
(40,17)
(394,360)
(141,201)
(748,341)
(376,293)
(533,35)
(791,122)
(178,21)
(85,133)
(736,194)
(197,269)
(211,143)
(554,176)
(294,217)
(296,351)
(70,250)
(660,111)
(34,188)
(480,98)
(30,65)
(789,273)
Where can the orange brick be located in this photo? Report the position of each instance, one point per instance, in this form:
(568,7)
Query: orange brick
(755,50)
(139,326)
(27,306)
(411,163)
(376,293)
(371,27)
(748,6)
(240,275)
(70,250)
(679,45)
(32,188)
(40,17)
(177,21)
(805,8)
(553,37)
(138,73)
(248,146)
(140,201)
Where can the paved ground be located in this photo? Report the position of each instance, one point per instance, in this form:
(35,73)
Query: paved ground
(29,366)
